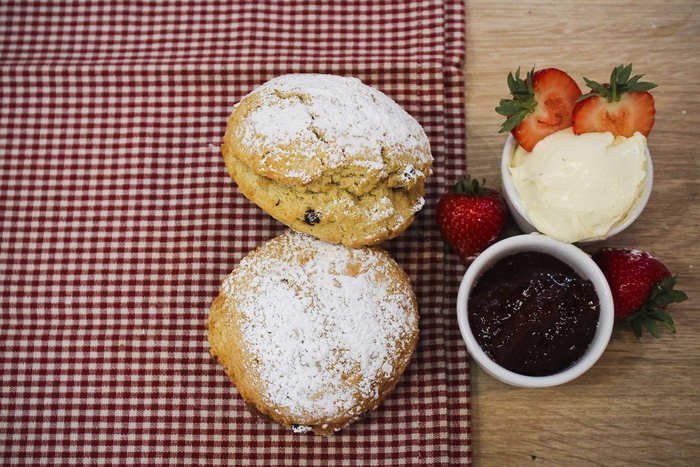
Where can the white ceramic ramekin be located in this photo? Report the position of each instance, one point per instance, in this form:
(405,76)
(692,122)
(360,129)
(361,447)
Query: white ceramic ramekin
(517,208)
(569,254)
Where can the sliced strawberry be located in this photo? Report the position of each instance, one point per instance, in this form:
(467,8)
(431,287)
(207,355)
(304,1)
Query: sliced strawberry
(542,104)
(622,107)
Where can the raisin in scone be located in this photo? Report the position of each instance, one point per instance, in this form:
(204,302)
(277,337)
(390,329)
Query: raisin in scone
(329,156)
(313,334)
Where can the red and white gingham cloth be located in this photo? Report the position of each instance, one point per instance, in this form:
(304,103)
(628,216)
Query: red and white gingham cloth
(119,222)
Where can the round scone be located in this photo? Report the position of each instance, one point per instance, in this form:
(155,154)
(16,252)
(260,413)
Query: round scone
(329,156)
(313,334)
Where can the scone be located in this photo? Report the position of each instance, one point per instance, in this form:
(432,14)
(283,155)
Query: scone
(313,334)
(329,156)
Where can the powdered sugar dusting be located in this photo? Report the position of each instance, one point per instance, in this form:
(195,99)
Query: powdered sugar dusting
(420,202)
(384,209)
(331,121)
(323,320)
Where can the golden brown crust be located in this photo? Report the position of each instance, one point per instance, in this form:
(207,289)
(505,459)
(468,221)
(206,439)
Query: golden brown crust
(318,343)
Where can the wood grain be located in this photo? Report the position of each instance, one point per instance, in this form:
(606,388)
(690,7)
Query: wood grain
(640,404)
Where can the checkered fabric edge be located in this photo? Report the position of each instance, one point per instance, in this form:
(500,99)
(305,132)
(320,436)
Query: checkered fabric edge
(119,222)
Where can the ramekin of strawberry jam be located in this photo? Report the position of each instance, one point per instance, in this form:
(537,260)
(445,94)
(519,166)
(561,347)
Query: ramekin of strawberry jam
(534,311)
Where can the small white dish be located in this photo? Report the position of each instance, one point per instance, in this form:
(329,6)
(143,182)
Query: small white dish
(517,208)
(569,254)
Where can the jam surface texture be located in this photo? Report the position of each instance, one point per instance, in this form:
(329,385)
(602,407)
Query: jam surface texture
(533,314)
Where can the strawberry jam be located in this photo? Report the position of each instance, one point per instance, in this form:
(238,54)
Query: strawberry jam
(533,314)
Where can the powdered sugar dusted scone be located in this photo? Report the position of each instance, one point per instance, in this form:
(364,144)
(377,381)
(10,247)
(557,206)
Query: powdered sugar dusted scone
(329,156)
(313,334)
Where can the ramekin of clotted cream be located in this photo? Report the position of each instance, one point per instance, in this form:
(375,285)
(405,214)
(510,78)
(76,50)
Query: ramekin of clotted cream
(577,188)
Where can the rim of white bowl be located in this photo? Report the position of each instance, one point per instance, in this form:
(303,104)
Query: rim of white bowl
(516,204)
(581,262)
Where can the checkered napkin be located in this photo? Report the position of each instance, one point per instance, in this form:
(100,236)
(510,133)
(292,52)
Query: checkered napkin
(119,222)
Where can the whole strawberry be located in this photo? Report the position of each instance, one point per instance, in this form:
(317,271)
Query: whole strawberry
(471,217)
(641,287)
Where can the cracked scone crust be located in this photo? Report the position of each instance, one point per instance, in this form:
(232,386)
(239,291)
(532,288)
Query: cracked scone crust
(313,334)
(329,156)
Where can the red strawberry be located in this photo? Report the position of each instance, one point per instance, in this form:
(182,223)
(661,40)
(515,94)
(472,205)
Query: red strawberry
(641,287)
(622,107)
(542,104)
(471,218)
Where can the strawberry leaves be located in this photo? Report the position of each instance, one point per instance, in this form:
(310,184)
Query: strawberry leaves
(620,82)
(653,311)
(522,104)
(470,186)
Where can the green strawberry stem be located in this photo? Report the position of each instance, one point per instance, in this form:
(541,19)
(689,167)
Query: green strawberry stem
(652,311)
(470,186)
(620,83)
(521,105)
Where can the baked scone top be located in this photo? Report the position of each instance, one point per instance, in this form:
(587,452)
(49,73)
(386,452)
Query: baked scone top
(325,329)
(297,127)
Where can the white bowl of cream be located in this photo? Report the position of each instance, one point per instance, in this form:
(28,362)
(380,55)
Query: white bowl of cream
(577,188)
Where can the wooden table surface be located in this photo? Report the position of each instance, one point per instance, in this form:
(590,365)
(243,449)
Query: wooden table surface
(640,404)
